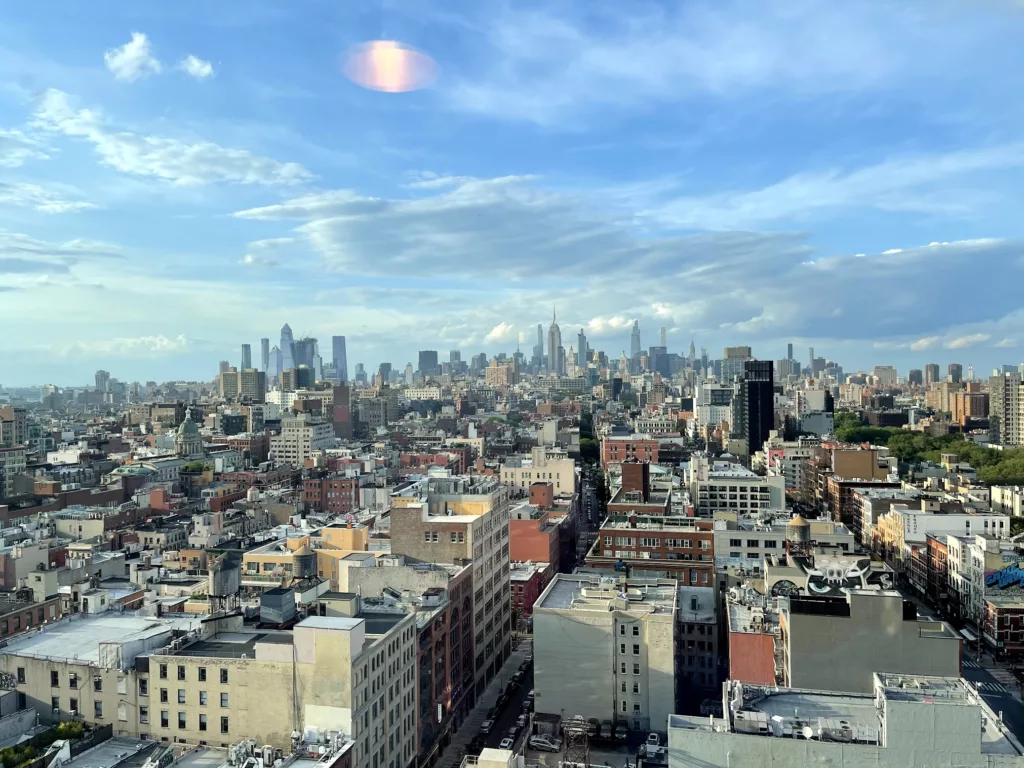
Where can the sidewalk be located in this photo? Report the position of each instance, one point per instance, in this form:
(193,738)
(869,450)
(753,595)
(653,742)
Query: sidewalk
(470,727)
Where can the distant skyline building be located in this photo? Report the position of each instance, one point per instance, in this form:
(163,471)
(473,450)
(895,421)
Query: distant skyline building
(246,356)
(955,372)
(428,362)
(287,347)
(305,352)
(931,373)
(634,345)
(102,381)
(915,377)
(556,355)
(789,351)
(410,375)
(583,351)
(265,355)
(340,358)
(754,404)
(664,336)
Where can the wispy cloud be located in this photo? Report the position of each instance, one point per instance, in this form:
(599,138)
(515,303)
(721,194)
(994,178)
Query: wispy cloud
(132,61)
(962,342)
(196,67)
(39,198)
(180,162)
(145,346)
(16,147)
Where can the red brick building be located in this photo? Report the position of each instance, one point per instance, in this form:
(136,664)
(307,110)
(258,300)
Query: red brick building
(534,537)
(681,548)
(1002,625)
(19,612)
(615,450)
(331,493)
(938,571)
(528,581)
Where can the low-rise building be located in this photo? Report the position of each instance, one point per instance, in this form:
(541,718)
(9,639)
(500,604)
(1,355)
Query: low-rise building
(302,436)
(544,464)
(723,486)
(673,547)
(902,720)
(605,647)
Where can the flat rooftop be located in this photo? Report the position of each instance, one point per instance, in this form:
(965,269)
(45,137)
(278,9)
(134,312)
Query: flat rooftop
(80,639)
(599,594)
(118,751)
(657,523)
(233,645)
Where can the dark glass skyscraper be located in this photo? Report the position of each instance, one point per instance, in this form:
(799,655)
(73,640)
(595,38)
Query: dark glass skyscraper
(757,418)
(246,357)
(339,358)
(264,355)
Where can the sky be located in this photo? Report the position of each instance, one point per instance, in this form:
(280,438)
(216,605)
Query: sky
(177,179)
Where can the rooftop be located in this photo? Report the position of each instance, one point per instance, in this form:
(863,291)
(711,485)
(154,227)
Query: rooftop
(594,593)
(233,645)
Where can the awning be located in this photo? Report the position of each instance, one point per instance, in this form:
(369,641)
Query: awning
(969,636)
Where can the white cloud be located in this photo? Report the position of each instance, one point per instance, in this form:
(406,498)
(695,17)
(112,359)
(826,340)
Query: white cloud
(196,67)
(16,147)
(133,60)
(897,184)
(970,340)
(1006,343)
(39,198)
(144,346)
(926,343)
(256,260)
(179,162)
(502,332)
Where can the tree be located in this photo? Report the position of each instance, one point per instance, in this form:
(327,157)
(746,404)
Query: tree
(589,450)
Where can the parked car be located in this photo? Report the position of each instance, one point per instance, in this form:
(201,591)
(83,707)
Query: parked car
(513,732)
(530,695)
(518,676)
(506,744)
(527,706)
(486,725)
(521,721)
(545,744)
(620,732)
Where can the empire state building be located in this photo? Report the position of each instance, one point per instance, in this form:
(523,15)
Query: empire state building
(556,355)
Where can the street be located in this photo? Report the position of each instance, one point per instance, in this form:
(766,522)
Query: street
(996,685)
(506,719)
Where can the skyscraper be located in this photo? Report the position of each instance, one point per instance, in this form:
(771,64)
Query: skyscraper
(246,356)
(410,375)
(287,347)
(385,371)
(734,360)
(956,373)
(1005,409)
(634,342)
(664,336)
(754,404)
(265,355)
(455,357)
(339,358)
(102,381)
(583,351)
(428,362)
(789,351)
(556,355)
(305,351)
(931,373)
(276,360)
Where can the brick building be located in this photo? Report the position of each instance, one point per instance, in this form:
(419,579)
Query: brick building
(672,547)
(615,450)
(333,493)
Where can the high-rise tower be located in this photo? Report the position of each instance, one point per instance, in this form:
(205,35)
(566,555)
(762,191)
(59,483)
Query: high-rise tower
(339,358)
(287,348)
(246,356)
(556,355)
(264,354)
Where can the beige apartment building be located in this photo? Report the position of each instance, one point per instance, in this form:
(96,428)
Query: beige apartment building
(301,436)
(217,682)
(543,465)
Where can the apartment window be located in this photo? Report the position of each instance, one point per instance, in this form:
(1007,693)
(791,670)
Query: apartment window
(636,706)
(753,543)
(461,537)
(636,631)
(55,679)
(163,695)
(73,680)
(636,687)
(433,536)
(202,722)
(165,718)
(769,544)
(623,705)
(181,721)
(426,536)
(224,700)
(73,705)
(687,543)
(144,715)
(622,648)
(97,709)
(223,676)
(622,629)
(181,695)
(202,698)
(223,725)
(636,669)
(181,672)
(21,674)
(202,674)
(623,667)
(735,542)
(623,686)
(163,671)
(97,684)
(636,650)
(55,703)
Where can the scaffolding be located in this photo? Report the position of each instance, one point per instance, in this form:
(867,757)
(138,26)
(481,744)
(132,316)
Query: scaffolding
(576,742)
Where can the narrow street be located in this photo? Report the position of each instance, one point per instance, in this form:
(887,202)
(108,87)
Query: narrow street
(998,687)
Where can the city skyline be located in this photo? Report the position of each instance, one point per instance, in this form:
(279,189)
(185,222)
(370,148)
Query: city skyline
(202,188)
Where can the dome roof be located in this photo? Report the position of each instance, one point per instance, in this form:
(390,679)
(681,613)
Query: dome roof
(188,427)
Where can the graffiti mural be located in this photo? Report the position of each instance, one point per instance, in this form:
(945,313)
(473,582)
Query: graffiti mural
(1009,578)
(785,588)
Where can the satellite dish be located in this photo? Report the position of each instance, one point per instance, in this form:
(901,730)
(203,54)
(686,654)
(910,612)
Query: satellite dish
(807,732)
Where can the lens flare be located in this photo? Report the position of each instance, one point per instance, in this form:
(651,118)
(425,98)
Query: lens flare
(389,66)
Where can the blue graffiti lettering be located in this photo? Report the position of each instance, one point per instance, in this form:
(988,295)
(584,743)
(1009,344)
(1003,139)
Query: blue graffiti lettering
(1010,576)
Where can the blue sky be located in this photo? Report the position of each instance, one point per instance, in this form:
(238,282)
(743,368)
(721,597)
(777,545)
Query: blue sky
(179,179)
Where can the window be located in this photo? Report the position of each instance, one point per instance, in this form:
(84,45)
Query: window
(164,718)
(224,700)
(223,676)
(735,542)
(636,706)
(202,674)
(181,672)
(163,695)
(97,709)
(55,703)
(623,705)
(97,684)
(636,630)
(181,721)
(636,669)
(636,649)
(433,536)
(623,686)
(163,671)
(753,543)
(73,680)
(55,679)
(21,674)
(144,715)
(181,695)
(622,629)
(202,698)
(143,687)
(623,666)
(202,722)
(769,544)
(622,648)
(223,725)
(73,705)
(636,687)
